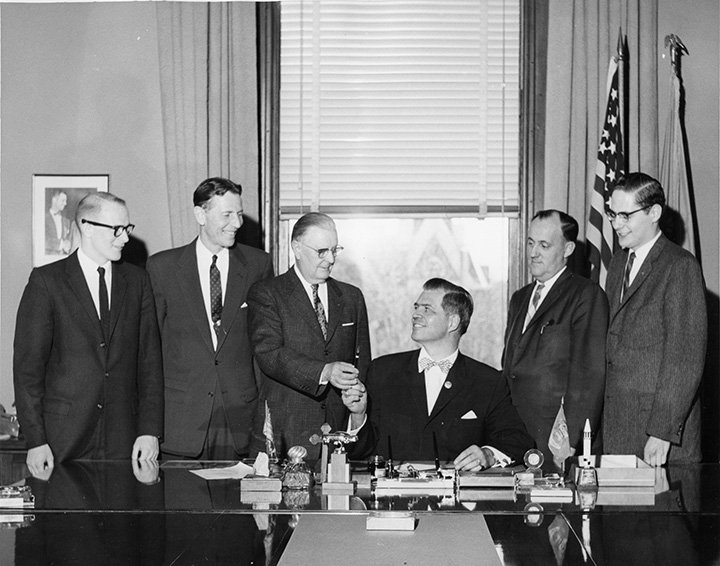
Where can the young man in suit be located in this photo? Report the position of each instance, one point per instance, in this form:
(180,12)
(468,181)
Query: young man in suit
(555,338)
(57,225)
(310,338)
(657,335)
(87,365)
(200,293)
(436,395)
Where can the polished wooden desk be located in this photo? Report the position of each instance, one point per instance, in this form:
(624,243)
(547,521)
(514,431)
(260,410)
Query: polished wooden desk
(100,513)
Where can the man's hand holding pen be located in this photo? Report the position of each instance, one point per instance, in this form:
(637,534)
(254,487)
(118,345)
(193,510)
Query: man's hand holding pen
(340,374)
(474,459)
(355,399)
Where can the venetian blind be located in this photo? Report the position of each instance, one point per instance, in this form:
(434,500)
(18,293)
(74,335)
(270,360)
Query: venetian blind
(400,106)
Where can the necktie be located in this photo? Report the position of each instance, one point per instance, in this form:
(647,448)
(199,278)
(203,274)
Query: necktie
(626,276)
(215,294)
(104,303)
(537,295)
(319,310)
(427,363)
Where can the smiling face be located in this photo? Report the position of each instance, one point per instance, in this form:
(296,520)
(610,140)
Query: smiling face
(640,227)
(99,242)
(58,202)
(220,218)
(547,249)
(430,323)
(315,269)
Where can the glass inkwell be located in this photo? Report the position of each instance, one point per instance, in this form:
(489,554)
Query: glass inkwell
(297,474)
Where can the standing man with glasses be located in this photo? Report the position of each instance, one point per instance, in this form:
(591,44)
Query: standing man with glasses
(87,365)
(657,334)
(555,338)
(310,338)
(200,292)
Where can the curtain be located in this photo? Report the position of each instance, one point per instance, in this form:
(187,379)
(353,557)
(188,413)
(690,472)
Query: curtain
(208,85)
(582,37)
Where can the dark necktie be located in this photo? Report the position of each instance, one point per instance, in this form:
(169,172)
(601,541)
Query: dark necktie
(319,310)
(215,294)
(626,275)
(104,303)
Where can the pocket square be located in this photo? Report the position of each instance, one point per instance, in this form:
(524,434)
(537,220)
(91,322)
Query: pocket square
(348,324)
(243,306)
(469,415)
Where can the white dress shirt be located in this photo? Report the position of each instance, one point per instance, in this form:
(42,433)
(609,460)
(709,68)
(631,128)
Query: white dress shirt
(434,377)
(90,271)
(322,292)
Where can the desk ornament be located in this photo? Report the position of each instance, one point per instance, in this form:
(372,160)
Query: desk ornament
(297,474)
(335,473)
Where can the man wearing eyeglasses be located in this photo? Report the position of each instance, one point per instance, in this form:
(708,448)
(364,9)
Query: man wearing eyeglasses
(310,338)
(200,293)
(657,334)
(554,352)
(87,366)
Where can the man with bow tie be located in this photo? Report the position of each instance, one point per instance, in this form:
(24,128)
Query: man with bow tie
(436,402)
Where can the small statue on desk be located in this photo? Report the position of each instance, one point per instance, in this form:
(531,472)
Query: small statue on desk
(337,471)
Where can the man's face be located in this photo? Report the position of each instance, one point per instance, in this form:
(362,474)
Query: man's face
(640,228)
(546,248)
(430,323)
(100,243)
(59,202)
(315,269)
(220,219)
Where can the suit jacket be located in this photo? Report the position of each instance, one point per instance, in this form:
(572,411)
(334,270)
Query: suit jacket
(52,242)
(192,365)
(68,375)
(398,409)
(655,353)
(560,354)
(291,351)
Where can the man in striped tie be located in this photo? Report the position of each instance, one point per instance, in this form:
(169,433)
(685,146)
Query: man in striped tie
(436,403)
(657,334)
(555,338)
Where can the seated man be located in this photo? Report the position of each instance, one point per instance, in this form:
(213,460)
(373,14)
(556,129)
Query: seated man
(436,395)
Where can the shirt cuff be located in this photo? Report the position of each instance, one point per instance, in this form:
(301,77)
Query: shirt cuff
(355,430)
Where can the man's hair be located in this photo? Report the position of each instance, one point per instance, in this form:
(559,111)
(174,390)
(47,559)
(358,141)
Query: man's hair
(456,300)
(214,186)
(647,191)
(92,203)
(309,220)
(57,192)
(568,224)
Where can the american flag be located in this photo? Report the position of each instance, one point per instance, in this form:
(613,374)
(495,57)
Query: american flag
(610,166)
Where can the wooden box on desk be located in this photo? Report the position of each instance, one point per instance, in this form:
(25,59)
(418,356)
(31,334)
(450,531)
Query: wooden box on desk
(621,470)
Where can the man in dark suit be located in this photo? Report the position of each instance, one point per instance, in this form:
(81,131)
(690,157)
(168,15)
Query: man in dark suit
(87,365)
(657,334)
(200,291)
(57,225)
(436,395)
(310,338)
(555,338)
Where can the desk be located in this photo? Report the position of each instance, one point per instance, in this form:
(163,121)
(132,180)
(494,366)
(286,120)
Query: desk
(99,513)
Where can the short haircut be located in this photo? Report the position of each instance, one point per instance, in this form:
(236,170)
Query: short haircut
(456,300)
(309,220)
(647,191)
(214,186)
(568,224)
(92,203)
(57,192)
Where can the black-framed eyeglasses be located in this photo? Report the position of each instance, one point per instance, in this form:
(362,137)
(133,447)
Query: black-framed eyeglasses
(624,216)
(324,252)
(117,230)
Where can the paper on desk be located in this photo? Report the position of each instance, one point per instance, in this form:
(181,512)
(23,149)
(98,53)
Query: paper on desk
(236,472)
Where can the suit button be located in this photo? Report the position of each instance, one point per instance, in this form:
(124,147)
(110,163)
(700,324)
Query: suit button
(217,363)
(107,374)
(211,394)
(323,405)
(513,376)
(99,406)
(103,345)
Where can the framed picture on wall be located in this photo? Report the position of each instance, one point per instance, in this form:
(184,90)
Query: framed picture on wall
(55,198)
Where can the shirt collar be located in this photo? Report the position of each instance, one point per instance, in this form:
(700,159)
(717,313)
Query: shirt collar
(642,251)
(205,255)
(90,265)
(550,282)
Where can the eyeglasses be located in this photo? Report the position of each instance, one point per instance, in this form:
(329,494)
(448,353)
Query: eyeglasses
(324,252)
(117,230)
(624,216)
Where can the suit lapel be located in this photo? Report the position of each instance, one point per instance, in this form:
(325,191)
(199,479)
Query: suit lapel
(335,306)
(456,383)
(189,282)
(415,385)
(234,292)
(301,303)
(79,287)
(555,293)
(119,288)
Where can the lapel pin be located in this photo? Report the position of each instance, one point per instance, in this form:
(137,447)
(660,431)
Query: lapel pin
(447,384)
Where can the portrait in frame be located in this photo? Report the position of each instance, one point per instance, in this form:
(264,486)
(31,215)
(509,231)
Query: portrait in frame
(55,198)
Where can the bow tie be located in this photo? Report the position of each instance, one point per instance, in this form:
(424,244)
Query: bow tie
(427,363)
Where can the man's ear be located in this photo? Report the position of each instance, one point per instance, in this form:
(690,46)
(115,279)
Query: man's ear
(199,213)
(655,213)
(453,323)
(569,248)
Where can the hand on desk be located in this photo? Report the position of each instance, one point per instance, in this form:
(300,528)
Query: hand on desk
(146,447)
(474,459)
(40,461)
(146,471)
(656,451)
(340,374)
